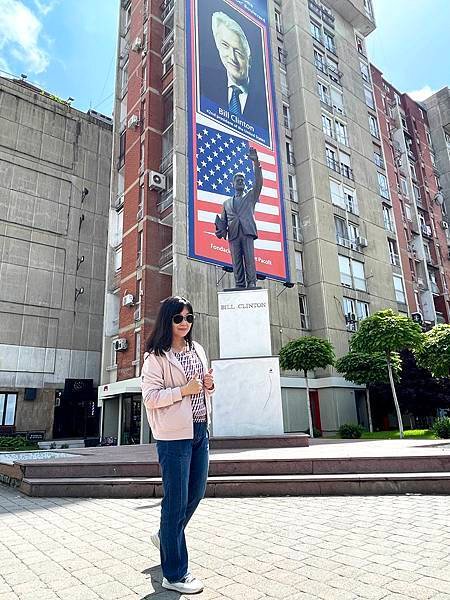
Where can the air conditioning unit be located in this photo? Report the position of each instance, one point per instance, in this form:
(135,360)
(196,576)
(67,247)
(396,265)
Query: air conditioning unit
(128,300)
(120,345)
(133,121)
(156,181)
(444,225)
(420,281)
(417,317)
(362,242)
(137,314)
(118,204)
(136,46)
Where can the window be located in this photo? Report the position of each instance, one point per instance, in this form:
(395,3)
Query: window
(319,61)
(137,353)
(399,289)
(284,84)
(140,212)
(352,273)
(332,158)
(290,154)
(373,126)
(346,233)
(393,253)
(368,8)
(278,21)
(346,167)
(327,125)
(122,149)
(116,228)
(413,171)
(388,220)
(296,227)
(140,246)
(364,71)
(304,316)
(417,195)
(383,185)
(426,249)
(341,133)
(8,408)
(404,187)
(299,266)
(124,78)
(337,100)
(118,259)
(293,196)
(354,311)
(282,57)
(167,63)
(142,159)
(428,136)
(360,45)
(324,93)
(343,196)
(316,31)
(144,78)
(329,42)
(369,98)
(333,71)
(378,157)
(434,285)
(286,116)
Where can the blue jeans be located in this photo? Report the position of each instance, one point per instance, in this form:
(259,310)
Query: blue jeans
(184,468)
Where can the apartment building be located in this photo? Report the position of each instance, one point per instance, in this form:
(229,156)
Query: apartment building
(413,207)
(55,165)
(337,252)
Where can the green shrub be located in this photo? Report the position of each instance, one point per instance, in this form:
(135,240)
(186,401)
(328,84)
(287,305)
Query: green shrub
(350,431)
(441,428)
(12,444)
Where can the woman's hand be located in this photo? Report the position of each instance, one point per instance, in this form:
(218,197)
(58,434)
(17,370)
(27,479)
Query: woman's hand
(194,386)
(208,380)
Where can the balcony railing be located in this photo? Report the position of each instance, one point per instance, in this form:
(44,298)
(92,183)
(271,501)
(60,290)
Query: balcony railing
(166,8)
(168,43)
(166,201)
(166,256)
(167,161)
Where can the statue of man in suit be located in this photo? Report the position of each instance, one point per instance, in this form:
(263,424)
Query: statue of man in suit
(237,222)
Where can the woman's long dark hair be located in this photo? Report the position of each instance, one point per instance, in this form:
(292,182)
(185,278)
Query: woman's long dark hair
(160,339)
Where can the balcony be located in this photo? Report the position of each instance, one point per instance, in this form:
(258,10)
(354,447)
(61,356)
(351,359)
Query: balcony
(357,14)
(166,201)
(166,8)
(167,161)
(168,43)
(166,259)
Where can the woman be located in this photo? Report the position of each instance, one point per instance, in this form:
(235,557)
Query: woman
(176,388)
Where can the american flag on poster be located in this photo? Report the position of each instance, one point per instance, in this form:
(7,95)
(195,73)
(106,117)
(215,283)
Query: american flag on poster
(219,156)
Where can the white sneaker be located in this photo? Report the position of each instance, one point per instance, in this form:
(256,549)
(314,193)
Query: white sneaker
(188,585)
(155,539)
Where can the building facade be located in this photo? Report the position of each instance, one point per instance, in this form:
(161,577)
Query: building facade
(338,250)
(55,167)
(413,208)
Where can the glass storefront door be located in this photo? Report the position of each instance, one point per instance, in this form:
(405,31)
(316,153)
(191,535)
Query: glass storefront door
(131,420)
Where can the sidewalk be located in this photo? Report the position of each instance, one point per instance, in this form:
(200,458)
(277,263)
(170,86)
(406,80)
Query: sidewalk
(303,548)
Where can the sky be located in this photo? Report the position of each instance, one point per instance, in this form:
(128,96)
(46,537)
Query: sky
(411,44)
(68,46)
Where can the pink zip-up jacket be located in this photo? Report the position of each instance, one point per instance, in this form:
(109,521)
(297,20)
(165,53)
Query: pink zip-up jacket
(169,414)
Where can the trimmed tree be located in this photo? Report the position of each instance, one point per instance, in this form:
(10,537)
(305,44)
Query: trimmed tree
(434,355)
(306,354)
(367,369)
(387,332)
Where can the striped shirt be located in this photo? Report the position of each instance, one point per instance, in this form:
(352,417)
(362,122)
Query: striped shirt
(193,367)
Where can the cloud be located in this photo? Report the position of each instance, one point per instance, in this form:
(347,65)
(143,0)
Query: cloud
(45,7)
(20,32)
(422,94)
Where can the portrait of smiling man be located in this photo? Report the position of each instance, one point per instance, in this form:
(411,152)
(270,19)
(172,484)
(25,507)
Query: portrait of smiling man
(235,83)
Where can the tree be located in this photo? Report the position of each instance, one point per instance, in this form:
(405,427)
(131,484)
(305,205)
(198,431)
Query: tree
(367,369)
(306,354)
(434,354)
(387,332)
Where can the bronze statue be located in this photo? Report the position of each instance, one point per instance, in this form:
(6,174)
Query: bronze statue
(237,222)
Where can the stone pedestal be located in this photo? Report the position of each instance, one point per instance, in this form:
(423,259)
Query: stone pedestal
(248,397)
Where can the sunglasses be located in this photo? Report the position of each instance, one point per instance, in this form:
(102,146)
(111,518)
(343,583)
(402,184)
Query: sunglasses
(177,319)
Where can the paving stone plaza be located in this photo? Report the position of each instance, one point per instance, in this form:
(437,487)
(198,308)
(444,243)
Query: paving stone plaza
(296,548)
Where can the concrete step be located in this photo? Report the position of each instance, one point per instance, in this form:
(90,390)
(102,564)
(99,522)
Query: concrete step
(287,440)
(248,466)
(238,486)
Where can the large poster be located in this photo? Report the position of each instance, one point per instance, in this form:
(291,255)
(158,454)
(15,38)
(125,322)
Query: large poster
(231,108)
